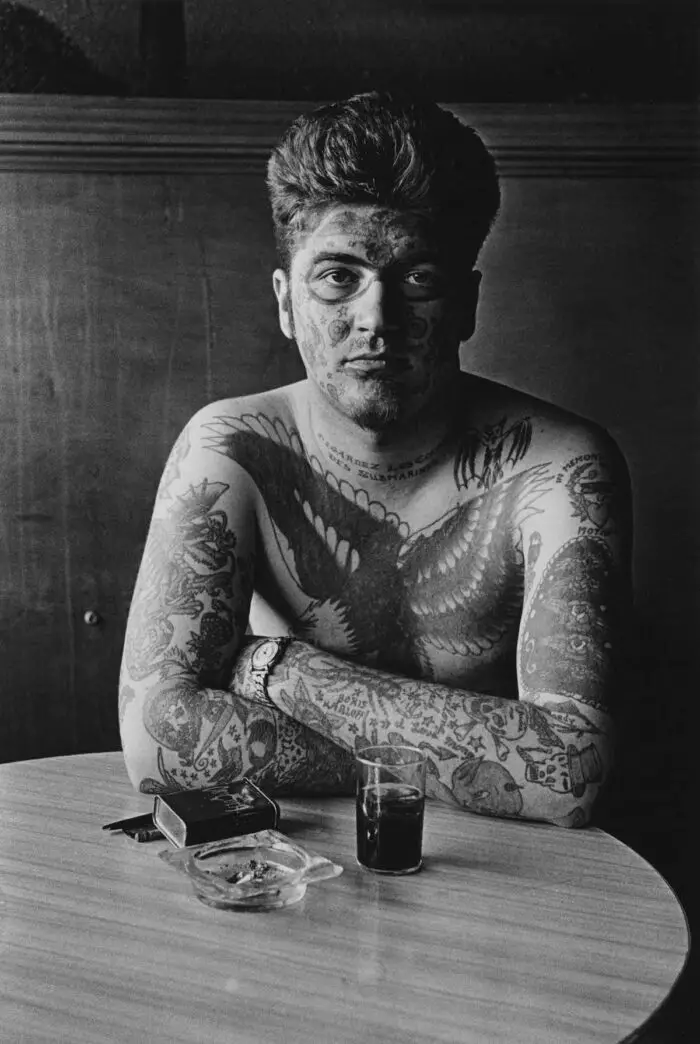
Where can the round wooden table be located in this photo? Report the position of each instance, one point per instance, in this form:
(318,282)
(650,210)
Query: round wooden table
(513,932)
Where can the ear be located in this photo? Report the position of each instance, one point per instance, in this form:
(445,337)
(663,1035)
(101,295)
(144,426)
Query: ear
(468,303)
(280,284)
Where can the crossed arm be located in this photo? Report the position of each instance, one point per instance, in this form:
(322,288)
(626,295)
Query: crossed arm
(185,708)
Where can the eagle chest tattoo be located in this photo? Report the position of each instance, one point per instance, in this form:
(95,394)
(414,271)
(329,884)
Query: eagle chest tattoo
(367,584)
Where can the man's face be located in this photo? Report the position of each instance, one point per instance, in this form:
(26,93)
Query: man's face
(376,311)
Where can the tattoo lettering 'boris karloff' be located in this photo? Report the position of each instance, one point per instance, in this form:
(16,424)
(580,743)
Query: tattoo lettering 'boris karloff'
(482,752)
(359,581)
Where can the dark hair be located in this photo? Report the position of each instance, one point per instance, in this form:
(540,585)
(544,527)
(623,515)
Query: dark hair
(380,148)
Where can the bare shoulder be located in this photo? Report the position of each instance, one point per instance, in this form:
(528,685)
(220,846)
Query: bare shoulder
(507,427)
(207,456)
(273,406)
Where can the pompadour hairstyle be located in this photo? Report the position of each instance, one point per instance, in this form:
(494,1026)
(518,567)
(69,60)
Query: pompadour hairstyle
(389,150)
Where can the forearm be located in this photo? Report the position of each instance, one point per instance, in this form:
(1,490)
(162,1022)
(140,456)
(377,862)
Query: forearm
(488,755)
(176,735)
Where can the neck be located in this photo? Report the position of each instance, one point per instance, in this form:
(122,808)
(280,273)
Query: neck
(396,455)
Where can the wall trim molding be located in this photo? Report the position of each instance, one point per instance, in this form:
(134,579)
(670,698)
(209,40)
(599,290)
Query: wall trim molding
(43,133)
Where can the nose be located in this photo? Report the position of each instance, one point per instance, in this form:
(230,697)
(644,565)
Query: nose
(377,313)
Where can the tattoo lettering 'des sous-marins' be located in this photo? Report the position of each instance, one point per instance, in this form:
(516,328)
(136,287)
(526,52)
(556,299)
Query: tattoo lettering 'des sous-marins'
(407,469)
(369,587)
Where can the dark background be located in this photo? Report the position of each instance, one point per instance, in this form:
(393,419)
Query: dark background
(131,299)
(455,50)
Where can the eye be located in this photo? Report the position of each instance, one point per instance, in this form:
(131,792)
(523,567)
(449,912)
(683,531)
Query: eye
(339,277)
(423,283)
(330,284)
(421,277)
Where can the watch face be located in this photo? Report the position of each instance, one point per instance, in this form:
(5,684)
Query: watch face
(264,655)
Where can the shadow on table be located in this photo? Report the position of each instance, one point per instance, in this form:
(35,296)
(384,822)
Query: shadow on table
(678,1019)
(651,805)
(676,1022)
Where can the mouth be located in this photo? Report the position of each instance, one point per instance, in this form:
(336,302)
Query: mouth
(375,365)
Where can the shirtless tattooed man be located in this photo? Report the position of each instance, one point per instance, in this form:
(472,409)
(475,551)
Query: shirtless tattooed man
(391,550)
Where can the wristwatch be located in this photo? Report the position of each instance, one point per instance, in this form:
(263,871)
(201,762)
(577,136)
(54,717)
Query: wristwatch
(262,659)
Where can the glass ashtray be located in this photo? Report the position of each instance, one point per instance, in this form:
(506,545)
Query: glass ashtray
(261,871)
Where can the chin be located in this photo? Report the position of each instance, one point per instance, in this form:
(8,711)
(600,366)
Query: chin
(377,417)
(377,411)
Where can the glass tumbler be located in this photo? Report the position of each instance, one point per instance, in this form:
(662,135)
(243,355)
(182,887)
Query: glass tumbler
(390,803)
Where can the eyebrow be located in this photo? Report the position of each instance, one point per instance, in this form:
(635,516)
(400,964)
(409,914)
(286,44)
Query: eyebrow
(421,258)
(333,255)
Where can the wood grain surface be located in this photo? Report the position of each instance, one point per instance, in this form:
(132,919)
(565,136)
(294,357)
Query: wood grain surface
(512,932)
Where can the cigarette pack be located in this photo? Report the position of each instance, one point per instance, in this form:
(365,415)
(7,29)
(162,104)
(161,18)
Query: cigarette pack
(193,817)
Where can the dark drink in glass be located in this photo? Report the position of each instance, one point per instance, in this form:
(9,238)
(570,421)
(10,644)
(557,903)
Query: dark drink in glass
(390,827)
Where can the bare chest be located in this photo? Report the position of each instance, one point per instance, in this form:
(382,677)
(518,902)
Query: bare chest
(429,586)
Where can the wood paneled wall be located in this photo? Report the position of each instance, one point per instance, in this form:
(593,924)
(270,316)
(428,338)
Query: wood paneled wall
(135,261)
(129,300)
